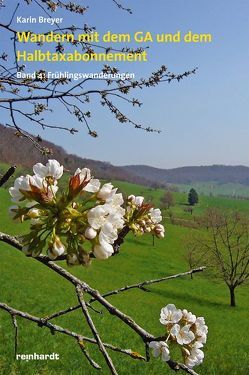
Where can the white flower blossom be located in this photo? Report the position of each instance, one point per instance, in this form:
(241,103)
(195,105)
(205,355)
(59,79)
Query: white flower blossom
(136,200)
(108,233)
(51,169)
(97,216)
(116,220)
(202,338)
(139,201)
(196,355)
(93,186)
(170,315)
(37,181)
(188,316)
(201,330)
(114,204)
(91,223)
(201,327)
(103,251)
(160,349)
(109,212)
(155,215)
(27,184)
(115,200)
(183,335)
(105,191)
(20,183)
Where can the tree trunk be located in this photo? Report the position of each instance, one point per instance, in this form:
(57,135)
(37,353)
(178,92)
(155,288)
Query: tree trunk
(232,296)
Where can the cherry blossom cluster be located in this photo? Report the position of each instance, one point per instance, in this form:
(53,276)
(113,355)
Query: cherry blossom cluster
(143,218)
(184,329)
(80,222)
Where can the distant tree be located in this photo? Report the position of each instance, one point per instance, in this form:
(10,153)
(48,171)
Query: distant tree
(167,200)
(223,246)
(192,197)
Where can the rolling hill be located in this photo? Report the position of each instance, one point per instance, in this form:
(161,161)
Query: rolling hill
(214,173)
(215,179)
(16,150)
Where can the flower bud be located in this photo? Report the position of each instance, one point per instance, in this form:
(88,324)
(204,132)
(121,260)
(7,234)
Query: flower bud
(139,201)
(103,251)
(90,233)
(159,230)
(56,248)
(51,255)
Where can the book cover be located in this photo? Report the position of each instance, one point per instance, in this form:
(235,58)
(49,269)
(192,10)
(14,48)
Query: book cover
(124,187)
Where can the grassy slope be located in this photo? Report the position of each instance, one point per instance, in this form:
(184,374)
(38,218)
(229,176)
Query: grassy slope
(31,287)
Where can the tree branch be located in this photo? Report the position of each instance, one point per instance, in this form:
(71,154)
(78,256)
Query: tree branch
(14,321)
(80,294)
(56,328)
(7,175)
(83,287)
(123,289)
(150,282)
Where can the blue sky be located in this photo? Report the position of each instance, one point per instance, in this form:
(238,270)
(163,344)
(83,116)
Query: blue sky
(204,118)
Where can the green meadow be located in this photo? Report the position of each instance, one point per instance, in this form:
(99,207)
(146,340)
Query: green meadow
(30,286)
(216,188)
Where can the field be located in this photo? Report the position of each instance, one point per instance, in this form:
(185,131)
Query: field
(29,286)
(215,188)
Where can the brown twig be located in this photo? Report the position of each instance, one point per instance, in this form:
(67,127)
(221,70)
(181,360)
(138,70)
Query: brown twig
(14,321)
(80,294)
(56,328)
(150,282)
(87,355)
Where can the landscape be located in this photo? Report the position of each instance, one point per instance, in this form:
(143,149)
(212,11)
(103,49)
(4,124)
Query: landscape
(139,260)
